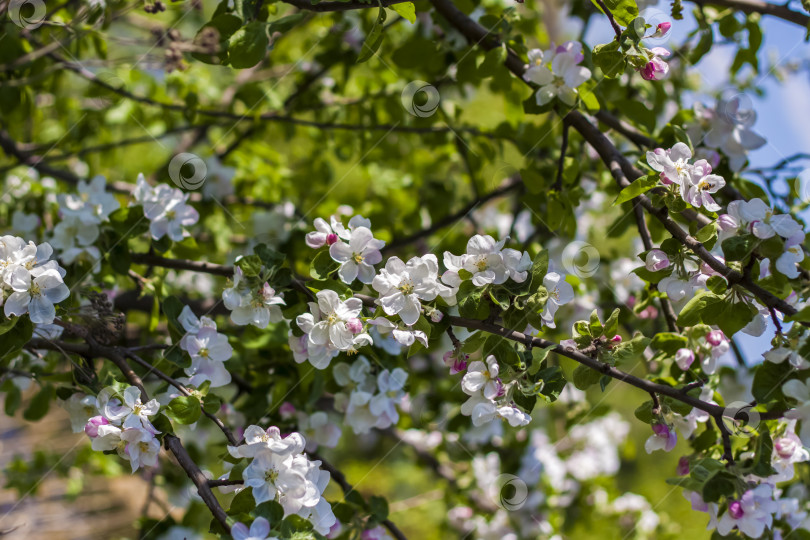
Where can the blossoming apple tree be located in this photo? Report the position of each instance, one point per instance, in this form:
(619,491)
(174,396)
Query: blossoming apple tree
(247,242)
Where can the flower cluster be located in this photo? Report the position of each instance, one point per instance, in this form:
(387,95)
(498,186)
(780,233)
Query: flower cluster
(727,127)
(82,214)
(486,262)
(331,326)
(694,181)
(488,395)
(207,348)
(29,281)
(122,424)
(354,248)
(404,286)
(369,401)
(252,303)
(166,209)
(280,471)
(757,218)
(557,72)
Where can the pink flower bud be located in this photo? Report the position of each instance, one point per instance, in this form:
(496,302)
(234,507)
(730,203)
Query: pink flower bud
(616,339)
(663,28)
(727,222)
(785,447)
(656,260)
(91,427)
(735,510)
(456,361)
(287,410)
(649,312)
(331,238)
(354,325)
(683,466)
(684,358)
(715,338)
(436,316)
(662,430)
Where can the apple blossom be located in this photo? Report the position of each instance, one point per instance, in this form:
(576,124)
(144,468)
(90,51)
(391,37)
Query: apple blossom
(167,211)
(403,334)
(663,438)
(92,425)
(673,164)
(81,408)
(482,376)
(684,358)
(800,391)
(318,430)
(259,530)
(334,314)
(727,128)
(303,349)
(132,413)
(559,76)
(358,257)
(700,185)
(456,361)
(403,286)
(656,260)
(258,307)
(751,514)
(141,447)
(656,68)
(560,292)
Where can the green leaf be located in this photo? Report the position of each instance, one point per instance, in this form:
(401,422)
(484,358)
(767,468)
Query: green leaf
(272,511)
(184,409)
(669,342)
(692,312)
(609,59)
(539,356)
(373,39)
(738,248)
(639,186)
(323,265)
(248,45)
(585,377)
(378,507)
(472,302)
(802,315)
(406,10)
(39,404)
(553,382)
(595,326)
(768,381)
(624,11)
(612,324)
(15,338)
(539,269)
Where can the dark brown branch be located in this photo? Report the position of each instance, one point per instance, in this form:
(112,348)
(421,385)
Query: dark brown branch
(616,28)
(340,6)
(514,183)
(173,444)
(765,8)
